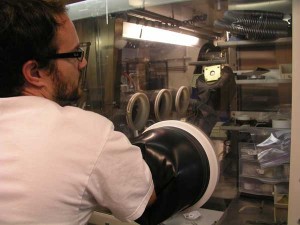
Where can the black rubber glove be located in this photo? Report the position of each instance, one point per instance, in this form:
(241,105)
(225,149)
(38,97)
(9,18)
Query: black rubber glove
(180,171)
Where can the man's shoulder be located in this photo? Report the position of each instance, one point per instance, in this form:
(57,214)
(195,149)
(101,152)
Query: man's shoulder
(82,114)
(70,114)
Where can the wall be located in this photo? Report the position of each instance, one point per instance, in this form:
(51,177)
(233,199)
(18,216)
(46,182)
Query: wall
(178,59)
(180,73)
(269,57)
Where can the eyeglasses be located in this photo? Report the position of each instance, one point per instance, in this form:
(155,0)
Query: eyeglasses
(77,54)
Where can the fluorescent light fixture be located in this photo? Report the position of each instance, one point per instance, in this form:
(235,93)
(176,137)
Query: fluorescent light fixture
(146,33)
(136,3)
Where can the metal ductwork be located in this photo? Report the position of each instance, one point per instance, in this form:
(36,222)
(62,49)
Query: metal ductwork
(283,6)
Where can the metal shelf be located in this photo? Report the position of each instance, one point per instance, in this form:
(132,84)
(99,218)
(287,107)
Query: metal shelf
(209,62)
(263,81)
(252,129)
(279,41)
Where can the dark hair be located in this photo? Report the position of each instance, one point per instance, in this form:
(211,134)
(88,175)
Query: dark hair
(27,31)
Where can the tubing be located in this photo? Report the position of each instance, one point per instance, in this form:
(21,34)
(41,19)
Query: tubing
(254,14)
(250,32)
(254,25)
(265,24)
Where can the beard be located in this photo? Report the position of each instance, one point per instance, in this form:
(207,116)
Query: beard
(66,93)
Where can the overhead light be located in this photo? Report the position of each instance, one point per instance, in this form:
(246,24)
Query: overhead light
(146,33)
(136,3)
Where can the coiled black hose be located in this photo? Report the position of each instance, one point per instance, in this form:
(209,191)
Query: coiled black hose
(254,25)
(251,33)
(254,14)
(263,24)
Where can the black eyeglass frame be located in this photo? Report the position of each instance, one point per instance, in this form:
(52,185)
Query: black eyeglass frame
(69,55)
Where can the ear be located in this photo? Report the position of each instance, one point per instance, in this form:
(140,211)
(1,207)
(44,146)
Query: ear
(32,73)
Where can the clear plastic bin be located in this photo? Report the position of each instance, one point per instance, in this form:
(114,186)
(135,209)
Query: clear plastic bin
(281,200)
(253,169)
(255,187)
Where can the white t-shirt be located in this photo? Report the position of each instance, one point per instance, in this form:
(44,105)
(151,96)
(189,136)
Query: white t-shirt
(58,163)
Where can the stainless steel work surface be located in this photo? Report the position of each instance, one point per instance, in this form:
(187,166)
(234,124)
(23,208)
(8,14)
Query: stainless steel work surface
(246,210)
(205,217)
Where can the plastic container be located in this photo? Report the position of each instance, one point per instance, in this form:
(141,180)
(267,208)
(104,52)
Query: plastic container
(253,169)
(281,198)
(248,151)
(255,187)
(285,71)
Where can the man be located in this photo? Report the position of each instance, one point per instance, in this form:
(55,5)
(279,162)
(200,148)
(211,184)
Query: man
(57,163)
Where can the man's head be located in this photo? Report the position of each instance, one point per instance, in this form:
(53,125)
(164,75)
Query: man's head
(33,36)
